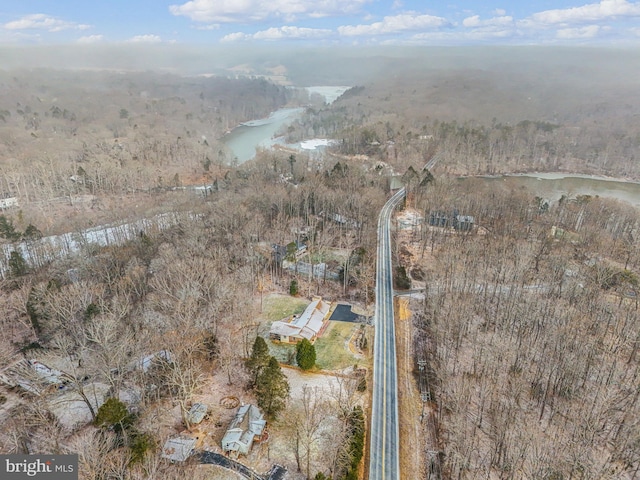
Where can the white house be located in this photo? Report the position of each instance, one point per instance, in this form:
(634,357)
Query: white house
(246,426)
(309,324)
(8,202)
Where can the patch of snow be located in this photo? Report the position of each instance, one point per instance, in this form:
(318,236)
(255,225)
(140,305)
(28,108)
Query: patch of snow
(315,143)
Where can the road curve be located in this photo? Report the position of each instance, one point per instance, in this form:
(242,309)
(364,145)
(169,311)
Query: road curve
(384,459)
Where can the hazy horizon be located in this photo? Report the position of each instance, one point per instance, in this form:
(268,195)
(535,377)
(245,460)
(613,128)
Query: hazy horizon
(345,64)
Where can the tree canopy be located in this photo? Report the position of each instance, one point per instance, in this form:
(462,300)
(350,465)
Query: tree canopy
(305,354)
(272,389)
(113,414)
(259,358)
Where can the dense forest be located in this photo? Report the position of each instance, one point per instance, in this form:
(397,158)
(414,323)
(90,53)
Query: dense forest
(90,137)
(532,332)
(95,313)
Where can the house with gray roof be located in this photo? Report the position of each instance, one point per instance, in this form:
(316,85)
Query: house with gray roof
(197,413)
(246,426)
(181,447)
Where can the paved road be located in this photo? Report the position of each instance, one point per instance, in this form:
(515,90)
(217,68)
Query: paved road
(384,461)
(277,472)
(384,453)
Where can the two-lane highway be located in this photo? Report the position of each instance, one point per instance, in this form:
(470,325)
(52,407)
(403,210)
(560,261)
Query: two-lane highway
(384,463)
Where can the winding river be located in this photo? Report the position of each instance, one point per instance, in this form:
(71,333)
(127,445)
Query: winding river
(245,139)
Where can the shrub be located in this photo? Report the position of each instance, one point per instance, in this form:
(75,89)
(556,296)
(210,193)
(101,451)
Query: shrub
(293,287)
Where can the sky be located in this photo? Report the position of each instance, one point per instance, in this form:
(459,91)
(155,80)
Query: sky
(321,22)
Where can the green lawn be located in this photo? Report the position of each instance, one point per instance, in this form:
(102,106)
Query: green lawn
(332,352)
(276,306)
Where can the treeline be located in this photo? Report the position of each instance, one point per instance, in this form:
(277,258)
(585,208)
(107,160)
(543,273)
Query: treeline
(535,330)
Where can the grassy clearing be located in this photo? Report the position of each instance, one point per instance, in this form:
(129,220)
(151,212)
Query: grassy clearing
(285,353)
(277,307)
(332,352)
(329,254)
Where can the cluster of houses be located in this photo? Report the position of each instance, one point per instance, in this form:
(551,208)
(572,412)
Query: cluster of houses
(36,377)
(247,427)
(463,223)
(248,424)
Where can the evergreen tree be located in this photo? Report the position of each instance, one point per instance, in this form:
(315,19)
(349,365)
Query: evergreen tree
(139,445)
(272,389)
(31,233)
(113,414)
(8,230)
(356,442)
(258,360)
(305,354)
(17,264)
(401,280)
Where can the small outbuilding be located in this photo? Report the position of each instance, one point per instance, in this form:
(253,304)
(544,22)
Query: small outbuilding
(197,413)
(178,449)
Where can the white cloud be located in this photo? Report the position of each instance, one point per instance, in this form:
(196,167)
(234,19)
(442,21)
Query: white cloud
(592,12)
(228,11)
(235,37)
(145,39)
(395,24)
(40,21)
(492,22)
(590,31)
(291,32)
(500,12)
(279,33)
(91,39)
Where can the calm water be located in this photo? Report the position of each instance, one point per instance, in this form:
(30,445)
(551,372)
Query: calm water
(246,138)
(553,185)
